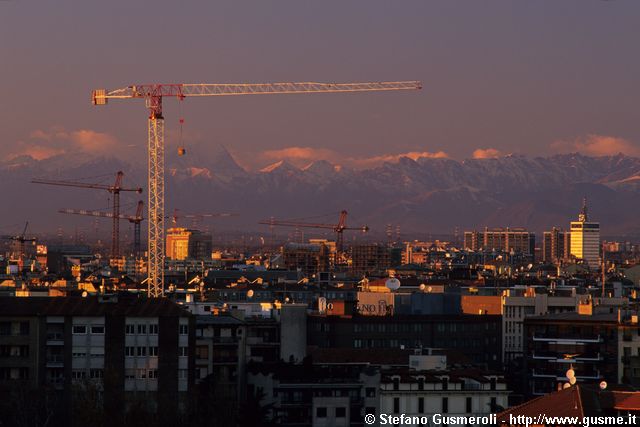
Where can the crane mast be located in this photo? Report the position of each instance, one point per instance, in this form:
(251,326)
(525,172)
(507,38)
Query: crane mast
(153,95)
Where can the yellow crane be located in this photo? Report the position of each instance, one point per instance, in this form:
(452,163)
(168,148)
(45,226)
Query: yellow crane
(153,94)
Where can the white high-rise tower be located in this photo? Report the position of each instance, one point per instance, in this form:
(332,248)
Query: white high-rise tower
(585,238)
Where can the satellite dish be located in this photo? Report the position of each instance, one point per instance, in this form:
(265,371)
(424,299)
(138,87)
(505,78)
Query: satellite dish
(429,289)
(393,284)
(571,374)
(572,380)
(84,294)
(423,287)
(250,293)
(603,385)
(566,385)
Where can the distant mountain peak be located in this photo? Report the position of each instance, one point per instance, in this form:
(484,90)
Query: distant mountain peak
(223,165)
(281,165)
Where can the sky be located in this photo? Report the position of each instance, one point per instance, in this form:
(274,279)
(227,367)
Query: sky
(531,77)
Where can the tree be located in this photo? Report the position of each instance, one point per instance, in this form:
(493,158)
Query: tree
(253,413)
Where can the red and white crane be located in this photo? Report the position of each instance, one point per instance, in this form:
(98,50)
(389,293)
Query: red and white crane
(338,228)
(153,95)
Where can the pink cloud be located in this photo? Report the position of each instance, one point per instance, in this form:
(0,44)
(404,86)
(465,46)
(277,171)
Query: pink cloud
(43,144)
(303,154)
(93,142)
(486,153)
(596,145)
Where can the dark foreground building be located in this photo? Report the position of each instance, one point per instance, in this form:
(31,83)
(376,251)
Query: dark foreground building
(103,360)
(477,336)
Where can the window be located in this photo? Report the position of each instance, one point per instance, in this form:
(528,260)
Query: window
(79,353)
(129,351)
(141,374)
(396,383)
(153,373)
(5,328)
(129,329)
(24,328)
(153,329)
(129,374)
(14,351)
(445,383)
(469,405)
(96,373)
(183,374)
(97,352)
(445,405)
(420,383)
(79,329)
(370,391)
(153,351)
(183,351)
(142,329)
(184,329)
(97,329)
(341,412)
(396,405)
(78,374)
(142,351)
(493,383)
(493,404)
(421,405)
(321,412)
(370,410)
(202,352)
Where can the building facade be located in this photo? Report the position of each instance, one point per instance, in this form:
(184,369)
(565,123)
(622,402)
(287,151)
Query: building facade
(183,243)
(126,350)
(585,239)
(556,245)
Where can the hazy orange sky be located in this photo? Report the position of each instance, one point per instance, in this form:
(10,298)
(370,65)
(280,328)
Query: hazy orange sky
(500,76)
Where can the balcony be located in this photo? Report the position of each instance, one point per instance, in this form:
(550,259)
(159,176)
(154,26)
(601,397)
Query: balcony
(543,356)
(568,340)
(55,338)
(560,375)
(225,340)
(55,361)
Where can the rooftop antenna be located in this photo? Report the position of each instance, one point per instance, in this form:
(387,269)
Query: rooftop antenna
(583,217)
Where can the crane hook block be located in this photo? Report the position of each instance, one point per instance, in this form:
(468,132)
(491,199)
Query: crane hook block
(182,151)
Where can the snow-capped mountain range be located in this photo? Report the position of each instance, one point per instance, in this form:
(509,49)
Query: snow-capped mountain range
(427,195)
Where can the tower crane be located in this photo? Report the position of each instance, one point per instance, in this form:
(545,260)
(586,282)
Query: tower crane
(153,95)
(339,228)
(114,189)
(21,239)
(134,219)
